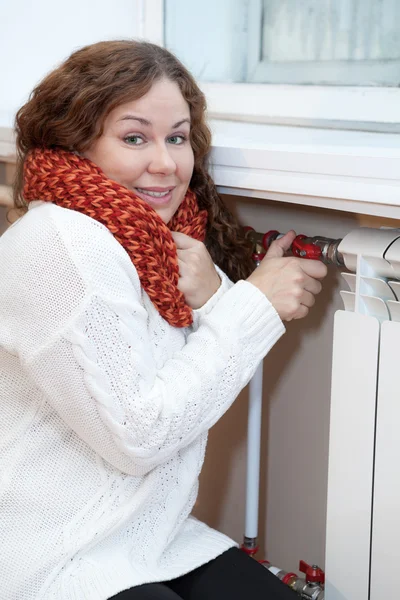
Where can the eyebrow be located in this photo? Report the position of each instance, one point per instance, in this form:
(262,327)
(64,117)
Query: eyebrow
(148,123)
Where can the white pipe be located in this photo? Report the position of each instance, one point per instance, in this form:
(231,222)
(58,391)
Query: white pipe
(253,452)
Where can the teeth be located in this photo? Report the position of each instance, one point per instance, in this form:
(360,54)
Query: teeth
(154,194)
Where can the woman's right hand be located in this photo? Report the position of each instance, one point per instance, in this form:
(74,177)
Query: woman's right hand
(289,283)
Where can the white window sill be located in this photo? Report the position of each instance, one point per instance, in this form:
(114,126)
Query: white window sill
(351,171)
(339,170)
(339,107)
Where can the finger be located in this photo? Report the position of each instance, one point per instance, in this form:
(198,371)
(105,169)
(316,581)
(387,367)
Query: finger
(312,285)
(279,247)
(182,268)
(301,312)
(182,255)
(307,299)
(183,241)
(313,268)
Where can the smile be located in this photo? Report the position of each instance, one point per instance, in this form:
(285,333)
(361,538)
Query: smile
(155,196)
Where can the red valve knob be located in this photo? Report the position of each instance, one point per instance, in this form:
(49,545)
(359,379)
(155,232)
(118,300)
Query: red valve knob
(303,249)
(313,573)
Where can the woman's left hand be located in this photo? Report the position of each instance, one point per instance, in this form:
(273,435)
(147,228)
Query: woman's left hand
(198,279)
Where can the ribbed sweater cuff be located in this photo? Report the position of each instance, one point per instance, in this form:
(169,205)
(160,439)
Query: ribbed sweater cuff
(226,284)
(247,313)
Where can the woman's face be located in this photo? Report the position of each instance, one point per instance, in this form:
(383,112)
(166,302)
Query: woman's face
(145,147)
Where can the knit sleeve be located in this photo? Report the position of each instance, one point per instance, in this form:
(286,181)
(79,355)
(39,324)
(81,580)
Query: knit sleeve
(226,284)
(99,372)
(100,376)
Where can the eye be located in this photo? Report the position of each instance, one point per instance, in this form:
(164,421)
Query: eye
(177,140)
(134,140)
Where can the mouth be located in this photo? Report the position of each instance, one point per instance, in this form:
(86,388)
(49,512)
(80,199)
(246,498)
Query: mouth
(155,195)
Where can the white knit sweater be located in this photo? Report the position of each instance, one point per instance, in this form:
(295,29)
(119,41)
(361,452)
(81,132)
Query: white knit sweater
(105,410)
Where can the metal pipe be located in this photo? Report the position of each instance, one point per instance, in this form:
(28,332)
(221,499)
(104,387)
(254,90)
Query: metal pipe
(253,456)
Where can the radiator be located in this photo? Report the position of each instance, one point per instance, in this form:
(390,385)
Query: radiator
(363,510)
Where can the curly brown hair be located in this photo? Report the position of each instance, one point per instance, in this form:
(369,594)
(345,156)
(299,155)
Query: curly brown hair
(68,108)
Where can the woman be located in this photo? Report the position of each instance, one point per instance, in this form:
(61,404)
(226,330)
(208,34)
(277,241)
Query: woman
(121,343)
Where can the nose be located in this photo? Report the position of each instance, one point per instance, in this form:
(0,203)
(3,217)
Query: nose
(161,161)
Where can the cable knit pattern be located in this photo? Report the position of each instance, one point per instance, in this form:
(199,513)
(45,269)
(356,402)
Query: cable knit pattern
(71,181)
(105,411)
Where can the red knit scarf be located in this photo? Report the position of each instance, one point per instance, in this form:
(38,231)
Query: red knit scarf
(77,183)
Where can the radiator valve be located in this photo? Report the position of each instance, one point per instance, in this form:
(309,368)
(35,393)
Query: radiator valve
(310,588)
(315,248)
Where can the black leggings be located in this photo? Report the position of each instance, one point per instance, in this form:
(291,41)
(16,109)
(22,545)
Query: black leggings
(231,576)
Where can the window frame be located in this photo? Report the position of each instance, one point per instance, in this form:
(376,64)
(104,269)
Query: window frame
(342,107)
(325,72)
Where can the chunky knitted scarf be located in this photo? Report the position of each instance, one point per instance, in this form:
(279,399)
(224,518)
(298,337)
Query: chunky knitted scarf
(77,183)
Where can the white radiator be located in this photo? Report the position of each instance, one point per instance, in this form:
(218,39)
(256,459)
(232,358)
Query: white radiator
(363,512)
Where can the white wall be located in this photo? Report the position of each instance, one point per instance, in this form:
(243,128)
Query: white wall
(36,35)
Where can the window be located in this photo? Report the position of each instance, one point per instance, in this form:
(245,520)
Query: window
(330,63)
(340,42)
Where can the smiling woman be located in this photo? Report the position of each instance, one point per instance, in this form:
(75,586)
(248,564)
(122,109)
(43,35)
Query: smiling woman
(71,107)
(145,146)
(124,338)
